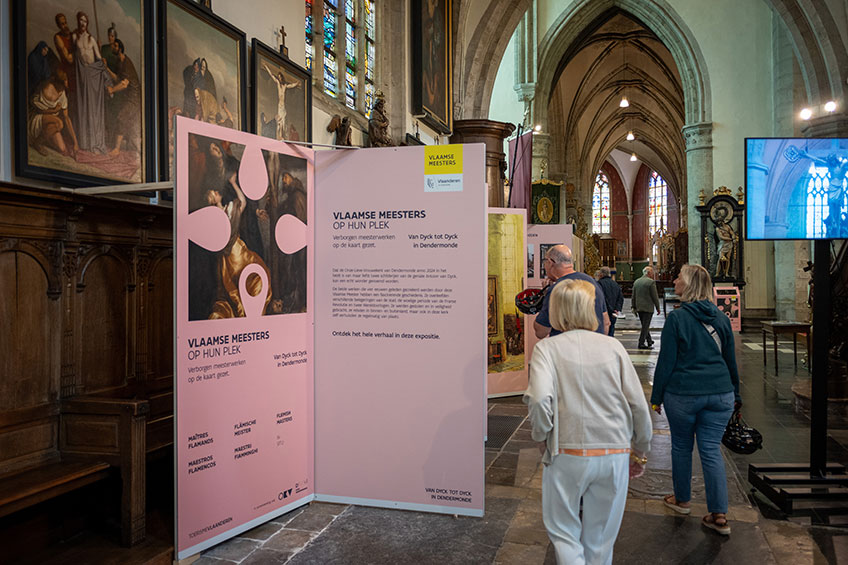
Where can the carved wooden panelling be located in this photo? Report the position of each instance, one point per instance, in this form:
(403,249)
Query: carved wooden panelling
(161,318)
(96,434)
(35,440)
(26,355)
(103,321)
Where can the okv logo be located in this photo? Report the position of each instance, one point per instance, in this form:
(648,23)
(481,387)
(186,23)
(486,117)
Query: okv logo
(284,494)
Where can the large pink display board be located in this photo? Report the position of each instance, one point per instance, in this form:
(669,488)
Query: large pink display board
(401,327)
(243,368)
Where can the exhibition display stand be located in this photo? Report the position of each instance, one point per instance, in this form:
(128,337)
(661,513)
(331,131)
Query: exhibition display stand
(330,329)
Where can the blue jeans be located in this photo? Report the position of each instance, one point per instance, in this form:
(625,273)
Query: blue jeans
(705,418)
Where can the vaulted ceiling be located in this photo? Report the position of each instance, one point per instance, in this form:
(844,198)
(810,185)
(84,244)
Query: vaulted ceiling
(618,56)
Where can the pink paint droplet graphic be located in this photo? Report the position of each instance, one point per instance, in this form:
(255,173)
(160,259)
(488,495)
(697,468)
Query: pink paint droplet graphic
(209,228)
(290,234)
(253,175)
(253,305)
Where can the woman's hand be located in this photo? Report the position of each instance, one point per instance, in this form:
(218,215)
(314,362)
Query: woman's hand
(657,408)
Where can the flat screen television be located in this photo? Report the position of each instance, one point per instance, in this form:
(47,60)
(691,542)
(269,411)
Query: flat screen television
(796,188)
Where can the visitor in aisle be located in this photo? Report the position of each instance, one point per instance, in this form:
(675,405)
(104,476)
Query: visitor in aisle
(645,301)
(613,297)
(586,404)
(559,266)
(698,383)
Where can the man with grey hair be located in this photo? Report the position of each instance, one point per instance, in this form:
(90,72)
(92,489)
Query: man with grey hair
(612,294)
(645,301)
(559,265)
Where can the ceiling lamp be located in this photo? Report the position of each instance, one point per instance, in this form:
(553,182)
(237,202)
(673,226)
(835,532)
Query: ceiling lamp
(830,106)
(633,157)
(624,103)
(630,136)
(806,114)
(538,128)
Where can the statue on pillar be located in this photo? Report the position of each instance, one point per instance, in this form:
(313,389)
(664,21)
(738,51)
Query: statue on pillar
(721,248)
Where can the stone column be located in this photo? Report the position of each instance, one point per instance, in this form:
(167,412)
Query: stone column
(699,175)
(492,134)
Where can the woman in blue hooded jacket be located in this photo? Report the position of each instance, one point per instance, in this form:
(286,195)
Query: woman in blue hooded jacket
(698,383)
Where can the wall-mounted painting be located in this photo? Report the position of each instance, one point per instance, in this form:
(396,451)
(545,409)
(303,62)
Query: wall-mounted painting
(82,107)
(432,63)
(203,72)
(282,96)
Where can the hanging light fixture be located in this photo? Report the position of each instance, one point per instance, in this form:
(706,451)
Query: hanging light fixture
(624,102)
(630,136)
(633,157)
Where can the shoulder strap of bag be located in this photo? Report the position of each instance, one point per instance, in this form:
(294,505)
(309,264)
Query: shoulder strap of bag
(713,333)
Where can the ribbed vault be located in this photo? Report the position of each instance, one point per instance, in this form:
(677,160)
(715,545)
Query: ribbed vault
(620,56)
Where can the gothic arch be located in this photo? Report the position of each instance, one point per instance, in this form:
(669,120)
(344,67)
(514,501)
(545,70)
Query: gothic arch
(475,69)
(659,17)
(818,46)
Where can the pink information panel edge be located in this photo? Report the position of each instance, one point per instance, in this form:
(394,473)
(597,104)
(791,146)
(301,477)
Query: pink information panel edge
(400,260)
(244,431)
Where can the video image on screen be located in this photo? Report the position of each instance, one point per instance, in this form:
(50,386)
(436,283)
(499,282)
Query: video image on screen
(797,188)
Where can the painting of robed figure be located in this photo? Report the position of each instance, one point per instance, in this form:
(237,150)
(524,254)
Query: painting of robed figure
(82,91)
(203,74)
(431,63)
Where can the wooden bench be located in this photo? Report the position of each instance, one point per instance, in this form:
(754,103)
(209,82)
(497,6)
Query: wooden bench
(30,486)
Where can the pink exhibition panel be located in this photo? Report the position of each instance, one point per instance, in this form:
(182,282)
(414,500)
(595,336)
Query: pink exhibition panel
(400,269)
(243,307)
(506,352)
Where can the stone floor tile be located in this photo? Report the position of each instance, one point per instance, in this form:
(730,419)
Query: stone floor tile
(506,461)
(235,549)
(288,540)
(204,560)
(504,491)
(311,521)
(263,532)
(635,505)
(519,553)
(498,476)
(266,557)
(327,507)
(288,516)
(530,506)
(536,535)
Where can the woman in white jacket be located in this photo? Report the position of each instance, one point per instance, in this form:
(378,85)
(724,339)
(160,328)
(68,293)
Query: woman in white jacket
(586,404)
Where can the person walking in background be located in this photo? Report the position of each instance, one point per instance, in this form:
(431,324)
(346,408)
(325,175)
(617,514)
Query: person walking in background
(698,383)
(645,301)
(613,297)
(559,266)
(586,404)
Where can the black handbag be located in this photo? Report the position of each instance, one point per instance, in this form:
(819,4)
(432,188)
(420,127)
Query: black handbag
(740,437)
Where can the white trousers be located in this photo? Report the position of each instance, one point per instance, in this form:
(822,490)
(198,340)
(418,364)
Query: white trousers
(601,482)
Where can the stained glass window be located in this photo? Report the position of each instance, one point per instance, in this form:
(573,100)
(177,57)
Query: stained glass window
(601,204)
(657,203)
(310,49)
(818,208)
(329,27)
(331,83)
(350,10)
(350,89)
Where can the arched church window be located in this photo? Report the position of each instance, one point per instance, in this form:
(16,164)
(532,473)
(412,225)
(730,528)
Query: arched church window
(601,204)
(344,66)
(817,205)
(657,203)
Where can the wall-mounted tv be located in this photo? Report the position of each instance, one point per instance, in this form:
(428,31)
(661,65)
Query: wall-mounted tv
(796,188)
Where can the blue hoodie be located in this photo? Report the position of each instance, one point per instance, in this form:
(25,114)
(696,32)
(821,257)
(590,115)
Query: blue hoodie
(690,363)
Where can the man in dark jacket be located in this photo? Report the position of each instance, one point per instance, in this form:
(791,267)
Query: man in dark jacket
(613,296)
(645,301)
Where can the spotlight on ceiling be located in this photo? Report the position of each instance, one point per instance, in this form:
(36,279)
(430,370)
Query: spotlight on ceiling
(830,106)
(538,127)
(633,157)
(630,136)
(624,103)
(806,114)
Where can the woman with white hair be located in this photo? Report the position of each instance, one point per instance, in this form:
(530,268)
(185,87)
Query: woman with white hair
(698,383)
(586,404)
